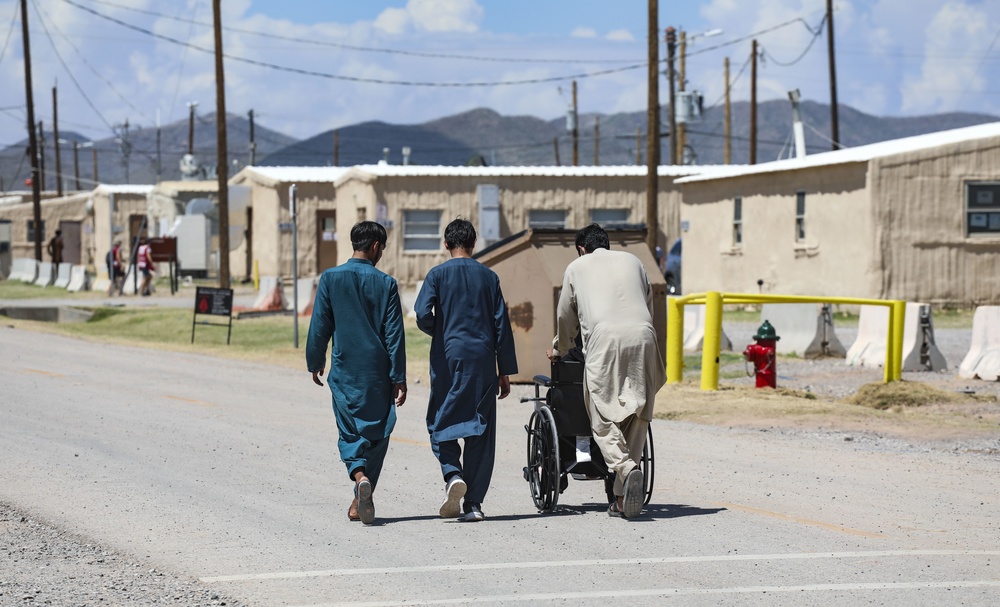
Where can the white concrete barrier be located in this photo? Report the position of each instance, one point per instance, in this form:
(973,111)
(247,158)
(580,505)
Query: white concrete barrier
(265,292)
(983,359)
(29,271)
(62,272)
(46,274)
(18,268)
(130,285)
(307,293)
(694,329)
(79,280)
(920,353)
(805,330)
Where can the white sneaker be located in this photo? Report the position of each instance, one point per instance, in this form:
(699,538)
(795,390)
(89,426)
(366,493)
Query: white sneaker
(454,491)
(634,497)
(474,515)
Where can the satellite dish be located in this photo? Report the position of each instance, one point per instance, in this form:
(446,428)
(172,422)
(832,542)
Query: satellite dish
(199,206)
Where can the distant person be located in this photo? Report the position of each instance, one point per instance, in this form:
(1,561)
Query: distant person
(55,248)
(116,271)
(606,296)
(472,356)
(358,307)
(144,261)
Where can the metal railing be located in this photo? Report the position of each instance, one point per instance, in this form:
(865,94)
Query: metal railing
(713,302)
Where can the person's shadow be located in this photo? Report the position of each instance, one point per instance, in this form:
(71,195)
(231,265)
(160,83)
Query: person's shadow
(650,512)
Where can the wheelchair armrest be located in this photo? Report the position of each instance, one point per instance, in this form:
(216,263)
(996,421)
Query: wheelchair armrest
(542,380)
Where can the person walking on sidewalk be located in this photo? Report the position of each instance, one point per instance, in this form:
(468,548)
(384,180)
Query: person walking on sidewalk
(462,308)
(358,308)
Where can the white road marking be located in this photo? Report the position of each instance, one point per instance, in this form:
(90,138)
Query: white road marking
(667,592)
(593,563)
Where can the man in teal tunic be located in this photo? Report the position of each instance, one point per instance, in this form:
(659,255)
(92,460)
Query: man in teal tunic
(472,354)
(358,306)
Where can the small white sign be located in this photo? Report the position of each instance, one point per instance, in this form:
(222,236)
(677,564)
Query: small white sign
(329,236)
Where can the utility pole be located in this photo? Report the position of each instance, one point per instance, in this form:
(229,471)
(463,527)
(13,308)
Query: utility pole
(336,147)
(159,154)
(671,52)
(638,146)
(555,144)
(680,140)
(653,125)
(97,177)
(597,140)
(191,106)
(76,163)
(253,141)
(728,149)
(36,194)
(753,104)
(576,130)
(55,140)
(41,155)
(125,147)
(834,119)
(223,152)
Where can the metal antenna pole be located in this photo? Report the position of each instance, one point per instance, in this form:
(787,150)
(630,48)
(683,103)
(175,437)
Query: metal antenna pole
(292,194)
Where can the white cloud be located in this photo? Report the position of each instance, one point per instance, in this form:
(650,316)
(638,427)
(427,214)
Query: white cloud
(620,35)
(393,21)
(584,32)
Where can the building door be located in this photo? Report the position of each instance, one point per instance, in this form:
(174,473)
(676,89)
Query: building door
(71,241)
(326,240)
(137,229)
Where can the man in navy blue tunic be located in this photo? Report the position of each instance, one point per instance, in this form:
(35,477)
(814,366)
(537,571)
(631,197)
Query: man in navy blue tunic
(358,306)
(472,356)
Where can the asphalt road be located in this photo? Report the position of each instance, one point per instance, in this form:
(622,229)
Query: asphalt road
(227,472)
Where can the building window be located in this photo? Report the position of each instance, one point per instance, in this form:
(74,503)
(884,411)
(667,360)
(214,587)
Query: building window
(738,221)
(609,218)
(982,207)
(31,231)
(800,216)
(539,218)
(421,230)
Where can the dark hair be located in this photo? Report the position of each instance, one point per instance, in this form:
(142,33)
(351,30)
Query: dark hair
(593,237)
(365,233)
(460,233)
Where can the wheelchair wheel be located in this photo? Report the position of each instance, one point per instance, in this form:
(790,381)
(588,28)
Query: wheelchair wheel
(647,465)
(542,472)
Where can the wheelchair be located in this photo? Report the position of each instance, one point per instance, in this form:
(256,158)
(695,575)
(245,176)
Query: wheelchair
(561,444)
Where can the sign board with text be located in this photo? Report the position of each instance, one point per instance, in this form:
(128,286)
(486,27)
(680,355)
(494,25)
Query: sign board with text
(210,301)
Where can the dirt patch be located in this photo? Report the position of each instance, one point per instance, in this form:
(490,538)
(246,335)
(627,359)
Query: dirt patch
(939,416)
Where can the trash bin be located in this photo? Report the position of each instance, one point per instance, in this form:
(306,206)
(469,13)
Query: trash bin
(530,265)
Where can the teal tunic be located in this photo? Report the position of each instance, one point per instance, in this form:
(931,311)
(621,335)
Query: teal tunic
(358,307)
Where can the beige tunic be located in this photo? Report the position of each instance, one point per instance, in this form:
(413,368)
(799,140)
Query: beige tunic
(606,296)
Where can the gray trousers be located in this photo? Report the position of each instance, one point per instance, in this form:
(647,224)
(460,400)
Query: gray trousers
(621,443)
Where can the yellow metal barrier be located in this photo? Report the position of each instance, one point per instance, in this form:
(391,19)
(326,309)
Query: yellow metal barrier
(713,302)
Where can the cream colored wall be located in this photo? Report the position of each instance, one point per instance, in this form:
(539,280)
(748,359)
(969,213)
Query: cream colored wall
(267,206)
(456,196)
(71,208)
(919,200)
(356,200)
(836,258)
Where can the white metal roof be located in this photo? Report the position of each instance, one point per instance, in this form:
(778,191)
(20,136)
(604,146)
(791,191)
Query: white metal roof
(862,153)
(119,188)
(298,174)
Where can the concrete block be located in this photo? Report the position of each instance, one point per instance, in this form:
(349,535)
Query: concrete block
(29,271)
(694,330)
(805,330)
(983,358)
(46,274)
(920,353)
(79,280)
(62,271)
(307,293)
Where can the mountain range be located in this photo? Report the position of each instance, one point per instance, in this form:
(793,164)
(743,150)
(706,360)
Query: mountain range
(479,136)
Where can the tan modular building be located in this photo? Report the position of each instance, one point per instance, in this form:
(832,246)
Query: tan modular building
(71,214)
(915,219)
(415,203)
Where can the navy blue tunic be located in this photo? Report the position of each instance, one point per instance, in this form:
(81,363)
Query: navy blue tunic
(462,308)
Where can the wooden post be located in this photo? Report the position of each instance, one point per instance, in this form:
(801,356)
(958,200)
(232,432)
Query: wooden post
(55,141)
(728,149)
(834,120)
(223,152)
(36,193)
(597,140)
(576,130)
(753,104)
(653,126)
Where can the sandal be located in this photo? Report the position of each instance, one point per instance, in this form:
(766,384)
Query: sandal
(614,511)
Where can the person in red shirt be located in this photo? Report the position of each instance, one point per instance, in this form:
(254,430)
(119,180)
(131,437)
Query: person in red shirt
(144,262)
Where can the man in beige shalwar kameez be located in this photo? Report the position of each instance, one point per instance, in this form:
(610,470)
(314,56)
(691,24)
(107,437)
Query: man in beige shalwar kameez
(606,297)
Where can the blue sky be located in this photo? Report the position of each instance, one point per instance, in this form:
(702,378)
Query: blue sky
(895,57)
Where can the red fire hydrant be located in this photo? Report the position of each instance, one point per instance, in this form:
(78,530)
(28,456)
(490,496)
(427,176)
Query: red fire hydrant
(762,355)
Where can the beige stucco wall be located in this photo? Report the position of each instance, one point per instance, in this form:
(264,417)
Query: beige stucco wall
(456,196)
(54,210)
(919,199)
(836,258)
(126,205)
(272,248)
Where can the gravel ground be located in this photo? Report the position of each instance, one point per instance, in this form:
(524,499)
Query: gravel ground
(832,378)
(40,565)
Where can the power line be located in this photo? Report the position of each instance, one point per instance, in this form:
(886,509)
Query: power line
(306,72)
(367,49)
(816,34)
(978,67)
(10,31)
(111,85)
